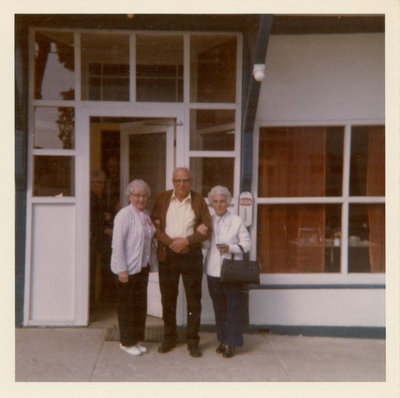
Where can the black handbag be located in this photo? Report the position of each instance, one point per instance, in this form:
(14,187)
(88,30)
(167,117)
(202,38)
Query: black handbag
(240,271)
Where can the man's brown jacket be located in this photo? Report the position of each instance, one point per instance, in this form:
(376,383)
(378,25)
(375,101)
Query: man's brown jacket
(159,213)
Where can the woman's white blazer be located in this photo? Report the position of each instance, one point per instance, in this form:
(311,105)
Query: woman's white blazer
(232,231)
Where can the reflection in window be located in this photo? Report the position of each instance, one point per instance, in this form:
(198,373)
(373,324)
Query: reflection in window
(54,128)
(213,68)
(300,161)
(108,81)
(105,67)
(53,176)
(159,68)
(54,65)
(212,129)
(366,238)
(208,172)
(367,173)
(299,238)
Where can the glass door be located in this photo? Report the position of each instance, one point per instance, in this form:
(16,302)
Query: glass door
(147,153)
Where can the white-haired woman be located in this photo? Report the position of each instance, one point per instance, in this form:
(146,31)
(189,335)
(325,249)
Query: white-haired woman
(131,257)
(228,232)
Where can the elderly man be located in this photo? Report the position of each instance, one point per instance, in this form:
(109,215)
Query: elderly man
(177,213)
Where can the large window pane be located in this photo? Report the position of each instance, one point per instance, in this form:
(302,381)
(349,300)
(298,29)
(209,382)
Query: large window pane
(54,65)
(367,174)
(299,238)
(300,161)
(367,238)
(54,128)
(213,68)
(208,172)
(212,129)
(105,67)
(159,68)
(53,176)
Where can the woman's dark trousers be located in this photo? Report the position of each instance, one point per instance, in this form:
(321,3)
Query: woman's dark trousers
(132,308)
(227,302)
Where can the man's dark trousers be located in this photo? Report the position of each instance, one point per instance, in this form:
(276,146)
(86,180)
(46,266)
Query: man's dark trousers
(190,266)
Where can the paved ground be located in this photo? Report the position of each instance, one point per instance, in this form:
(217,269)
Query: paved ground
(83,354)
(280,366)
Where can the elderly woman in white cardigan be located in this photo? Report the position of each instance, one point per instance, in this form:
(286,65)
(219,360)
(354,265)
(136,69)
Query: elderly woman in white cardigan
(131,257)
(228,233)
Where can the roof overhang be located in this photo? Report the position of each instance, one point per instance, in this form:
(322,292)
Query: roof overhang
(286,24)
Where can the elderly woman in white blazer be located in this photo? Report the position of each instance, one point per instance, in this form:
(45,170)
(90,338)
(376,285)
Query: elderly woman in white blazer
(131,257)
(228,233)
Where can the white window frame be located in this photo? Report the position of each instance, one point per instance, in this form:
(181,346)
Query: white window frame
(236,106)
(343,277)
(84,109)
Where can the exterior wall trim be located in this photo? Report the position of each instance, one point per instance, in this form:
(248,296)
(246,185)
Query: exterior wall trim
(321,331)
(310,286)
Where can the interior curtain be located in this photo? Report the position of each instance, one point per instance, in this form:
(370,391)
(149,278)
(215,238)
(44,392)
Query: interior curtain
(292,164)
(376,187)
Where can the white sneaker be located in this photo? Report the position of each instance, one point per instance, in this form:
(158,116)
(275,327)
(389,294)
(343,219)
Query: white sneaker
(130,350)
(141,348)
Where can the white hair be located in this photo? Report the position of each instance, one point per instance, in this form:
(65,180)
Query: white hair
(220,190)
(137,184)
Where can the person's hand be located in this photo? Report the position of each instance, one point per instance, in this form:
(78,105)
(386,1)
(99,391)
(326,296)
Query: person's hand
(203,229)
(108,231)
(223,248)
(179,245)
(123,277)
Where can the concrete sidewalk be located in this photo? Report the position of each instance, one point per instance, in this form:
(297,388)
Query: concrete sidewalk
(84,355)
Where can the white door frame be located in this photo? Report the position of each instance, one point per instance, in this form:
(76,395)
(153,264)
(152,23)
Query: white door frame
(83,113)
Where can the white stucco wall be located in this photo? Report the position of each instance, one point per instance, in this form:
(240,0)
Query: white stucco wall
(318,307)
(323,77)
(327,79)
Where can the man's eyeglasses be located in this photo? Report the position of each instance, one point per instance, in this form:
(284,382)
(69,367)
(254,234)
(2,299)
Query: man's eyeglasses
(138,195)
(184,181)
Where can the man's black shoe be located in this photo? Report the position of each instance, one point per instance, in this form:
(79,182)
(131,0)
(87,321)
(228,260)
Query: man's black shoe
(195,352)
(166,347)
(220,349)
(229,352)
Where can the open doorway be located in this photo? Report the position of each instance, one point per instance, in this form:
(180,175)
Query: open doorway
(104,204)
(123,149)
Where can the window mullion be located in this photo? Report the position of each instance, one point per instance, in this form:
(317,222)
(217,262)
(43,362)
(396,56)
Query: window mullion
(344,266)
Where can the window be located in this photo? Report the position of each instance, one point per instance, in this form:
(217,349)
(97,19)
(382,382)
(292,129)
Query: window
(105,66)
(300,162)
(212,129)
(54,65)
(108,81)
(297,164)
(159,68)
(53,142)
(367,164)
(208,172)
(213,141)
(53,176)
(54,128)
(299,238)
(213,68)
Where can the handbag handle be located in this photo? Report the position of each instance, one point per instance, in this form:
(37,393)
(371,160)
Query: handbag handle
(245,255)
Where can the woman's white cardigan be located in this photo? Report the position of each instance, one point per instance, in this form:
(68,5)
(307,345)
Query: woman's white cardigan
(232,231)
(128,242)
